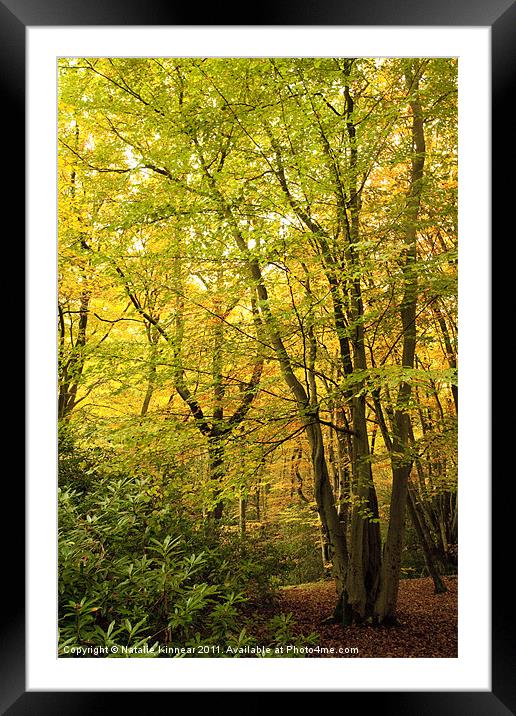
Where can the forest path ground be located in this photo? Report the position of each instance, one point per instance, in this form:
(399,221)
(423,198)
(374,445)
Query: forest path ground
(427,621)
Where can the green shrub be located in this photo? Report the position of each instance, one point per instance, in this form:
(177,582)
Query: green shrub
(135,568)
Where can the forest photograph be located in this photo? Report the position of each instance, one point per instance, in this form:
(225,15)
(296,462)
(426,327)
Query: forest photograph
(257,377)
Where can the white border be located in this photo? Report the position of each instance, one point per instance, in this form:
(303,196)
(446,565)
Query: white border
(471,670)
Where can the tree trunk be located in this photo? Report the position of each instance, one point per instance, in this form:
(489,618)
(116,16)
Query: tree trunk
(331,525)
(385,609)
(216,473)
(70,372)
(450,353)
(439,585)
(242,514)
(152,337)
(365,545)
(257,498)
(150,390)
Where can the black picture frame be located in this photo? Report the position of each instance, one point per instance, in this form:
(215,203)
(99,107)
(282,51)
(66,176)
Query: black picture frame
(15,17)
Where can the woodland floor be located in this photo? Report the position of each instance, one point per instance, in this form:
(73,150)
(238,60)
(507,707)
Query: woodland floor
(427,621)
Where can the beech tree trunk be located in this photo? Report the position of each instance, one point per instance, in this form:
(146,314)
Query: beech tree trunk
(216,473)
(257,501)
(70,372)
(439,585)
(327,510)
(385,608)
(242,515)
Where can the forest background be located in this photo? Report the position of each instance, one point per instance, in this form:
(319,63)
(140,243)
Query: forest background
(257,339)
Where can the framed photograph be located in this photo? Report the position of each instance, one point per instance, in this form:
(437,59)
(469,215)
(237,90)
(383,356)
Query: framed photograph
(253,233)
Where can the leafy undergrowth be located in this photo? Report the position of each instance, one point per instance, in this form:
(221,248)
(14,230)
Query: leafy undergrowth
(427,622)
